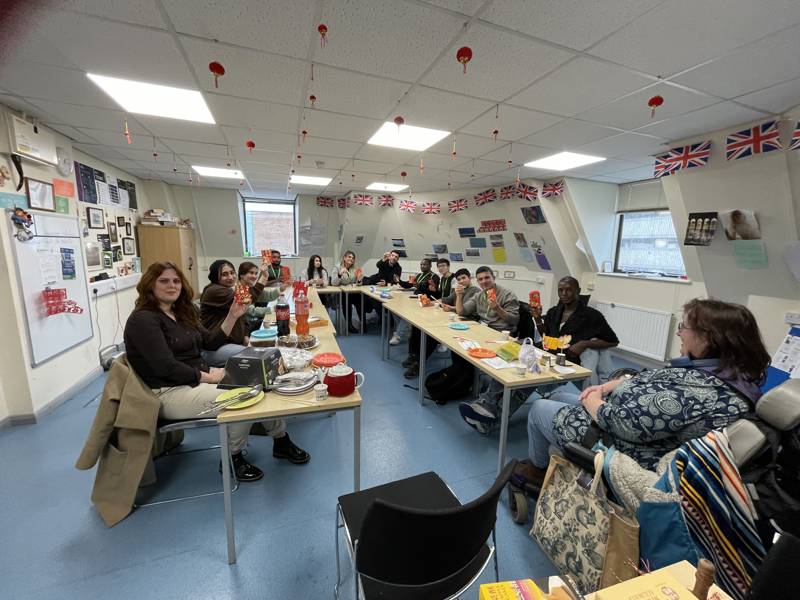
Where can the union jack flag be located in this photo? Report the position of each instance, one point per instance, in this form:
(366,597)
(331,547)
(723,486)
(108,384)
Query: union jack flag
(753,140)
(553,189)
(408,206)
(386,200)
(431,208)
(686,157)
(527,192)
(455,206)
(507,192)
(485,197)
(325,201)
(343,202)
(362,200)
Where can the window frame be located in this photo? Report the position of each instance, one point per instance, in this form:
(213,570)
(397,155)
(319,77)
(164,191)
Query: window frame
(620,218)
(245,200)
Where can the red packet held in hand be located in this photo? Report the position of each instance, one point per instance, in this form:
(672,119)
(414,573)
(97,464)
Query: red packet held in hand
(535,300)
(491,295)
(241,294)
(285,275)
(266,256)
(359,272)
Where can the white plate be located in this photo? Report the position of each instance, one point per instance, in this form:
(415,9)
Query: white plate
(563,370)
(294,390)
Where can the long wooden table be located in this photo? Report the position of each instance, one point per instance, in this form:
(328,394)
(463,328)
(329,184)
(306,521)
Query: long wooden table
(276,405)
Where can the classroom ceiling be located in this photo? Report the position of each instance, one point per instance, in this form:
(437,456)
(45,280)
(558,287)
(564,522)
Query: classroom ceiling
(550,75)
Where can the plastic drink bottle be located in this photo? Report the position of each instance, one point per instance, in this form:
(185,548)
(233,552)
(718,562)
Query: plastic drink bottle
(282,316)
(301,314)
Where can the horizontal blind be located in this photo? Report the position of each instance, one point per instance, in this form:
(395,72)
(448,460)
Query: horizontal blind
(641,195)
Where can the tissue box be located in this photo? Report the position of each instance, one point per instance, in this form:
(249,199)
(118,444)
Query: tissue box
(519,589)
(252,366)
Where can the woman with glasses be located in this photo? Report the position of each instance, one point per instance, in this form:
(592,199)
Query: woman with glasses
(714,383)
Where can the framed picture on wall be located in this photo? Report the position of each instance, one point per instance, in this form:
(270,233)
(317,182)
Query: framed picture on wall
(128,246)
(96,218)
(120,222)
(117,253)
(127,229)
(112,232)
(94,261)
(40,195)
(108,260)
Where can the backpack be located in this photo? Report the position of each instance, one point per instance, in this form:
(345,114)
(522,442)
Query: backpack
(451,383)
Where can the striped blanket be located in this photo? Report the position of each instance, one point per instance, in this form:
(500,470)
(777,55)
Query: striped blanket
(718,511)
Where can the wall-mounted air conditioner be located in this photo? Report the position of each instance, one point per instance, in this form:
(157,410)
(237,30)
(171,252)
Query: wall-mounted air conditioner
(31,142)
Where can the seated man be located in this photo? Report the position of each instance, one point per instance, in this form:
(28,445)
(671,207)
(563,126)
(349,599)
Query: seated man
(422,282)
(448,302)
(501,313)
(444,286)
(389,270)
(276,274)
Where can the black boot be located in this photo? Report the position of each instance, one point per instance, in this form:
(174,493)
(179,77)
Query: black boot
(283,447)
(243,470)
(412,371)
(410,360)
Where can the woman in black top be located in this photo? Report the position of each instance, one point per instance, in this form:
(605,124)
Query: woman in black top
(164,341)
(317,276)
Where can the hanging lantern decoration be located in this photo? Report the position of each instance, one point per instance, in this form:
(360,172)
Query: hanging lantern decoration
(510,164)
(353,177)
(228,164)
(303,133)
(654,103)
(495,133)
(403,176)
(398,120)
(241,183)
(464,55)
(323,34)
(250,145)
(312,99)
(299,158)
(217,70)
(517,181)
(127,133)
(155,156)
(421,166)
(453,152)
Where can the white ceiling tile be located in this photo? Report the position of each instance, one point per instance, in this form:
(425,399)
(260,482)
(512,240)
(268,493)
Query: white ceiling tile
(117,139)
(467,146)
(238,112)
(605,167)
(387,155)
(465,7)
(480,166)
(127,165)
(330,162)
(182,130)
(371,166)
(141,12)
(264,140)
(624,144)
(434,160)
(775,99)
(512,123)
(281,26)
(579,85)
(637,174)
(428,107)
(24,106)
(199,148)
(84,116)
(33,46)
(119,50)
(517,154)
(632,111)
(753,67)
(569,134)
(574,23)
(99,151)
(610,179)
(144,156)
(35,80)
(316,145)
(248,74)
(703,121)
(679,34)
(501,65)
(391,39)
(340,127)
(76,135)
(354,93)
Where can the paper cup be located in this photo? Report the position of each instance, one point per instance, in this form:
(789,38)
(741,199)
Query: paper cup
(321,392)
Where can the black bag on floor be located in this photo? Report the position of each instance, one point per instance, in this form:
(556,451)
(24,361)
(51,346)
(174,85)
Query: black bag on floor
(451,383)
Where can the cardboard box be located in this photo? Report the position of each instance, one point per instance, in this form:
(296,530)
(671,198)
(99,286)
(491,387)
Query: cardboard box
(659,585)
(519,589)
(252,366)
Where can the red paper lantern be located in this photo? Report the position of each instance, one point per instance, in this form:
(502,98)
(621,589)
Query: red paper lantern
(312,99)
(398,120)
(217,70)
(299,158)
(453,152)
(654,103)
(127,133)
(509,163)
(155,156)
(495,134)
(323,34)
(464,55)
(304,133)
(403,176)
(250,145)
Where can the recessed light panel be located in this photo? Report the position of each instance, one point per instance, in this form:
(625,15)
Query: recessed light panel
(407,137)
(564,161)
(306,180)
(386,187)
(215,172)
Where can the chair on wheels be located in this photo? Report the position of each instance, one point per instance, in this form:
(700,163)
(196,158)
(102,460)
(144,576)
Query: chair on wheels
(413,538)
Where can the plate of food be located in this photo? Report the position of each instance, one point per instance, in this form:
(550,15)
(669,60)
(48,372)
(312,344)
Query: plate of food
(327,359)
(458,326)
(481,353)
(290,384)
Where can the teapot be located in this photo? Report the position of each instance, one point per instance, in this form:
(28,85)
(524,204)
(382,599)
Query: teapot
(342,380)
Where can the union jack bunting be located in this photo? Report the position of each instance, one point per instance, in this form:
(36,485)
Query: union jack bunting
(550,190)
(408,206)
(431,208)
(362,200)
(485,197)
(753,140)
(343,202)
(527,192)
(386,200)
(507,192)
(455,206)
(325,201)
(686,157)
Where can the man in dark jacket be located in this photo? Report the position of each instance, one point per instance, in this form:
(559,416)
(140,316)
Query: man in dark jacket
(389,270)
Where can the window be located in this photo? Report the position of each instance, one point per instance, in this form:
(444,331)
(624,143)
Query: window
(647,244)
(270,224)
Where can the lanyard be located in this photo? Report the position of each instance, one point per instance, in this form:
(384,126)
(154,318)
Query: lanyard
(422,278)
(445,281)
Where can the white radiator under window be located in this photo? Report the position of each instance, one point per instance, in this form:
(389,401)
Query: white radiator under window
(641,331)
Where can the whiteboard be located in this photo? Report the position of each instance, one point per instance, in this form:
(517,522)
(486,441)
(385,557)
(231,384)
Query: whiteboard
(52,259)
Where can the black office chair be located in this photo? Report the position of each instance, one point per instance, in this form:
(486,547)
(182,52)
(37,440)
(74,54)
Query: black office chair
(414,539)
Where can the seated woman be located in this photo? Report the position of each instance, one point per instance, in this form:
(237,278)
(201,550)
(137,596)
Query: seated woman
(345,274)
(164,342)
(248,275)
(713,384)
(317,276)
(215,301)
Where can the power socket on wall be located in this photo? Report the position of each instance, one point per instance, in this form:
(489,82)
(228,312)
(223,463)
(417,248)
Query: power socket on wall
(793,318)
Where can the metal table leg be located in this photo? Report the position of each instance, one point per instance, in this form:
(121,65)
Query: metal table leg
(423,340)
(344,308)
(226,488)
(384,351)
(356,448)
(363,316)
(501,453)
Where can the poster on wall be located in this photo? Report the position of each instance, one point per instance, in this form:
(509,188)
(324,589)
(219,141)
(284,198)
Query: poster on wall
(533,215)
(359,239)
(496,240)
(67,263)
(740,224)
(440,248)
(750,254)
(402,253)
(398,243)
(477,242)
(492,225)
(499,255)
(541,259)
(521,241)
(527,254)
(456,257)
(473,252)
(466,232)
(700,229)
(87,189)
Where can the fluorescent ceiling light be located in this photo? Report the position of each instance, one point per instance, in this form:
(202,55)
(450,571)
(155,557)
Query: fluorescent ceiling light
(157,100)
(387,187)
(306,180)
(406,137)
(563,161)
(215,172)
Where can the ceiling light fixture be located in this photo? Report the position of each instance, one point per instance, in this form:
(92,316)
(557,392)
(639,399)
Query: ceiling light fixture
(306,180)
(406,137)
(387,187)
(564,161)
(156,100)
(215,172)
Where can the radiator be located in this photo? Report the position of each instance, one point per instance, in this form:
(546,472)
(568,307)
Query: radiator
(641,331)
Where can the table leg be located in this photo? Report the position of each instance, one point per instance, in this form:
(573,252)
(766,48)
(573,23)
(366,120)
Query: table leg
(501,453)
(344,309)
(423,340)
(224,450)
(356,448)
(363,316)
(384,352)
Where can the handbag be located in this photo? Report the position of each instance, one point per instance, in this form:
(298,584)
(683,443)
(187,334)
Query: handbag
(527,352)
(588,537)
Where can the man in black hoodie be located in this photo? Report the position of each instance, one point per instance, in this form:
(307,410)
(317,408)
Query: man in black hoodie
(422,282)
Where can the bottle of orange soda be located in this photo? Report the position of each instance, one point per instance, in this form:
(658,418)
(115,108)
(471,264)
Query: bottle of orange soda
(301,307)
